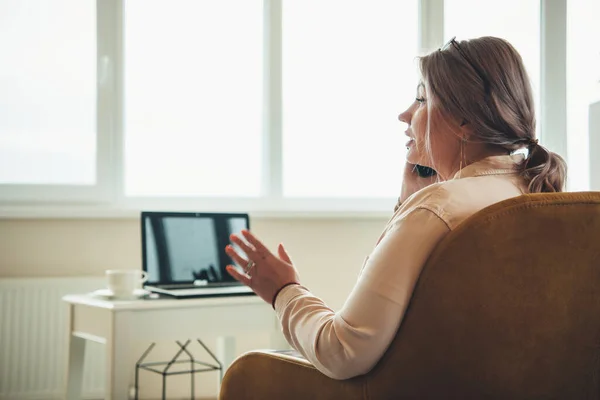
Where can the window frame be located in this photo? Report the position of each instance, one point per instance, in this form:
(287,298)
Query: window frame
(107,199)
(35,196)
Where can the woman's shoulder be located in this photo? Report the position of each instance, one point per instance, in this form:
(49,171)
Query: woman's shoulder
(430,197)
(456,199)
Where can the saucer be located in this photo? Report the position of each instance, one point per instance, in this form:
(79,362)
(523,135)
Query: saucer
(109,295)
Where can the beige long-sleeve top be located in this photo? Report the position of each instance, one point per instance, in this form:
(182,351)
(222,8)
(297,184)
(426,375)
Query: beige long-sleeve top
(349,342)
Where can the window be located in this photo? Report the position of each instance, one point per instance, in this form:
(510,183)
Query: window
(260,105)
(48,96)
(583,85)
(348,70)
(193,97)
(517,21)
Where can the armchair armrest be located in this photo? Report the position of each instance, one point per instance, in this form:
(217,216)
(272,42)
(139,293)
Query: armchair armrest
(265,375)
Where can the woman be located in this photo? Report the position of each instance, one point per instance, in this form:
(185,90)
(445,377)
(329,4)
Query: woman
(473,111)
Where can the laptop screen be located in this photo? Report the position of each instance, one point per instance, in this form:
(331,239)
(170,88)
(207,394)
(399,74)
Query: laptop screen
(188,247)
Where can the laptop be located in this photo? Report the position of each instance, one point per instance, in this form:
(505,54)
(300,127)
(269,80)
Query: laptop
(184,253)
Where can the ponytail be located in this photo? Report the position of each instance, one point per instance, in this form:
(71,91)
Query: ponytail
(544,170)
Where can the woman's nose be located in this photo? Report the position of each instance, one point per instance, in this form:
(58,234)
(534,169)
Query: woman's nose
(405,117)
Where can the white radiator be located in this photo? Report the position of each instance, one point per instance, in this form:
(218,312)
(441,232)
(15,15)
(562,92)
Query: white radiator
(33,339)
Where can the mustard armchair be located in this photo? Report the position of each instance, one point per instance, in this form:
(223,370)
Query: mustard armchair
(507,307)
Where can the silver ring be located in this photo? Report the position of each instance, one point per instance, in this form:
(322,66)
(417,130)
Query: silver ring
(249,266)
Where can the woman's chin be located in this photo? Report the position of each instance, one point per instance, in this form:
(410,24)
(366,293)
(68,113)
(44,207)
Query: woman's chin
(412,156)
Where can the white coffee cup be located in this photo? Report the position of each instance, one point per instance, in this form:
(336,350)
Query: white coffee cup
(124,282)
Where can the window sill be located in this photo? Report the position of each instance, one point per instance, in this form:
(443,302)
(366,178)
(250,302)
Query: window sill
(307,211)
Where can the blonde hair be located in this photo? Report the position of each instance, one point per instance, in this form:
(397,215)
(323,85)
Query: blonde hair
(483,82)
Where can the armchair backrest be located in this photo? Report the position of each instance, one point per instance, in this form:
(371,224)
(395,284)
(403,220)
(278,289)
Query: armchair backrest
(507,306)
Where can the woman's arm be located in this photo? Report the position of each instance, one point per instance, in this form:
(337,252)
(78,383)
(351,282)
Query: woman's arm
(350,342)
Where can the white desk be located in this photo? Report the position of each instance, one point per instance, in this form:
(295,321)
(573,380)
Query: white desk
(118,323)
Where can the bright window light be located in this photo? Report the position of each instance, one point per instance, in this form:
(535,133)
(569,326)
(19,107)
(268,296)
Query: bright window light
(349,69)
(48,95)
(193,97)
(583,85)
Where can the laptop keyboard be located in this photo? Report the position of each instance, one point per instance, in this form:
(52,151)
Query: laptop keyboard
(189,286)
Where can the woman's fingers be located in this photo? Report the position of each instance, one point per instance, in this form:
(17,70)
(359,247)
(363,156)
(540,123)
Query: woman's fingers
(283,254)
(239,260)
(253,240)
(243,245)
(237,275)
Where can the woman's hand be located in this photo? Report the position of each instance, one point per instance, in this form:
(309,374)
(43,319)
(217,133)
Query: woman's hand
(264,272)
(412,181)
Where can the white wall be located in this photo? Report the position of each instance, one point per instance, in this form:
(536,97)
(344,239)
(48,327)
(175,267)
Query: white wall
(324,250)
